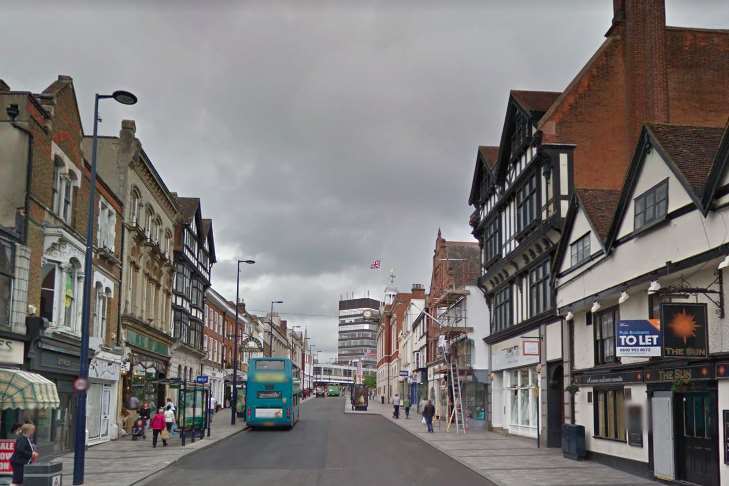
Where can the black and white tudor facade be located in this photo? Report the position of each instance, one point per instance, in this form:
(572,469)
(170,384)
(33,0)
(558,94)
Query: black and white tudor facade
(650,262)
(521,192)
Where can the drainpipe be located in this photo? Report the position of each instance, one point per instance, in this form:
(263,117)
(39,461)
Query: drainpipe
(121,287)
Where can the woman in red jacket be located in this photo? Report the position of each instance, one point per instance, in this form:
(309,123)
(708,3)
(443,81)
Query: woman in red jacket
(158,425)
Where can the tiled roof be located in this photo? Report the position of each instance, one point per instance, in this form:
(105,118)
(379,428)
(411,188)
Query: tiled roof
(599,206)
(188,206)
(489,155)
(693,149)
(537,102)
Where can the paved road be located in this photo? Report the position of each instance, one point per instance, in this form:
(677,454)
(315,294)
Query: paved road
(325,448)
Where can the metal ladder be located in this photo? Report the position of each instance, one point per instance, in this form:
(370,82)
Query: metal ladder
(457,413)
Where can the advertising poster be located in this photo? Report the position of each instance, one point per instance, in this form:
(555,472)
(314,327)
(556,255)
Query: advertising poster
(638,338)
(684,330)
(7,447)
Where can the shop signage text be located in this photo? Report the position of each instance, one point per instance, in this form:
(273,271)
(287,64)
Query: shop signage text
(685,374)
(11,352)
(640,337)
(684,330)
(7,447)
(148,343)
(609,378)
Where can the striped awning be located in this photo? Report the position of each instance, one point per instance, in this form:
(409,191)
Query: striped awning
(26,390)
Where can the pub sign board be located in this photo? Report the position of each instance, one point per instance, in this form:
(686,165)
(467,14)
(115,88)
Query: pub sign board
(638,338)
(684,330)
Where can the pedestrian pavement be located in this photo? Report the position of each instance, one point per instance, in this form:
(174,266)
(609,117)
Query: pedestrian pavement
(504,459)
(125,462)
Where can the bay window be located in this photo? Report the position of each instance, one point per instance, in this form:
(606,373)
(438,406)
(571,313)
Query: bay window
(503,314)
(526,203)
(7,272)
(539,289)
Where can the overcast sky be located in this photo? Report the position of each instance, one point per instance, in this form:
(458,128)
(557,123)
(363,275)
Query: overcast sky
(319,135)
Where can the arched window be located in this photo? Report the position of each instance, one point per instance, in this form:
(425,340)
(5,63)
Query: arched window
(72,286)
(134,204)
(156,229)
(168,244)
(148,216)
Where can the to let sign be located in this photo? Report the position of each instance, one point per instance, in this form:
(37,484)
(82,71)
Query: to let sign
(639,338)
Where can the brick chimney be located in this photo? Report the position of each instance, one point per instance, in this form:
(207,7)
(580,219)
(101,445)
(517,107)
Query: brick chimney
(418,291)
(642,24)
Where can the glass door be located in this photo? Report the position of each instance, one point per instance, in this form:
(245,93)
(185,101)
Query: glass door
(105,405)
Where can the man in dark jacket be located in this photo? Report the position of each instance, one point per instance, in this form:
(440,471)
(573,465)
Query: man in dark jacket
(428,413)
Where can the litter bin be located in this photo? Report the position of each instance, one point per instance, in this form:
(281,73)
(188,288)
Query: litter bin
(43,474)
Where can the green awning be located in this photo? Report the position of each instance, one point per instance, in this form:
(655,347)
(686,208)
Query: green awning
(26,390)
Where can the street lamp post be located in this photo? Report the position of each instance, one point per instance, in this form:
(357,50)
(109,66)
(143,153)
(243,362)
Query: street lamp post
(234,394)
(79,449)
(270,321)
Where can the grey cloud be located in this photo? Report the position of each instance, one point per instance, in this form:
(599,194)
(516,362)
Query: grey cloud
(319,135)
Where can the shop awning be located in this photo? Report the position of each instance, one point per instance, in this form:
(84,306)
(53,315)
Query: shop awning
(26,390)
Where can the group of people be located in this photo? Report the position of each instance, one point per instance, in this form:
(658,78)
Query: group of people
(161,423)
(428,411)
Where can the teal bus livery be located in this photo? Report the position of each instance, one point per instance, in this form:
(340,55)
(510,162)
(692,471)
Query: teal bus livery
(273,394)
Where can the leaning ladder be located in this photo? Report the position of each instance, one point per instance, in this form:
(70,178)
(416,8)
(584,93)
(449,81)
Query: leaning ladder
(456,416)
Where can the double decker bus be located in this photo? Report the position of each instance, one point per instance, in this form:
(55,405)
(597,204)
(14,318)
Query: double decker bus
(273,394)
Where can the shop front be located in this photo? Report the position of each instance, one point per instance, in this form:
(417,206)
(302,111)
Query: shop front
(515,385)
(101,401)
(148,359)
(56,357)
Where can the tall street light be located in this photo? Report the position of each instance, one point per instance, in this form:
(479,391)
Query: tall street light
(79,448)
(234,395)
(270,340)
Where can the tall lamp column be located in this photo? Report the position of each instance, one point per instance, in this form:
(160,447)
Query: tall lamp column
(79,448)
(234,394)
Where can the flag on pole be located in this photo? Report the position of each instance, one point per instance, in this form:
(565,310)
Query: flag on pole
(375,265)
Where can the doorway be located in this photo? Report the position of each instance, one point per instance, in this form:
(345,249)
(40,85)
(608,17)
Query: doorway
(555,404)
(697,438)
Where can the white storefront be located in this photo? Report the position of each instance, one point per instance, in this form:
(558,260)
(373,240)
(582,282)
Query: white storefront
(515,384)
(101,402)
(216,382)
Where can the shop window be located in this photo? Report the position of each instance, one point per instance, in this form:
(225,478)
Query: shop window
(609,409)
(7,271)
(651,206)
(604,329)
(580,250)
(522,387)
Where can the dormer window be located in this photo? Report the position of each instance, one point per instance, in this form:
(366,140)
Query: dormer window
(580,250)
(651,206)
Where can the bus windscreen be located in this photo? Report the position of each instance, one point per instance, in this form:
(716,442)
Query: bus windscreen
(269,365)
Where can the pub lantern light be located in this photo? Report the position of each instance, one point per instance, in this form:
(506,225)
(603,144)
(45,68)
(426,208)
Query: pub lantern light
(595,307)
(624,296)
(654,287)
(724,263)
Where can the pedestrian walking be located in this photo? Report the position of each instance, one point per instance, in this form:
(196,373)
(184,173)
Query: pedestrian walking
(396,406)
(428,413)
(159,428)
(406,404)
(144,413)
(169,419)
(25,453)
(170,406)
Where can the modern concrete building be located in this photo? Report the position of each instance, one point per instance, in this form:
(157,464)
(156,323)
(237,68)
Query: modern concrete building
(358,322)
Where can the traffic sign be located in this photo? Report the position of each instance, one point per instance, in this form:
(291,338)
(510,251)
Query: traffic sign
(80,384)
(201,379)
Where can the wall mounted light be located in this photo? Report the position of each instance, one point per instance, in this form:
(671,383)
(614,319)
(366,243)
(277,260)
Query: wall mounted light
(624,296)
(569,316)
(724,263)
(654,287)
(595,307)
